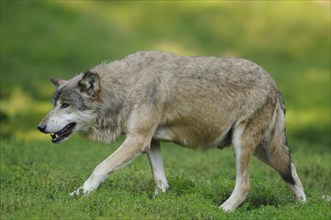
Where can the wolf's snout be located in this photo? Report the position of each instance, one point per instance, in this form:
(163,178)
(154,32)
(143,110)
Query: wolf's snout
(42,127)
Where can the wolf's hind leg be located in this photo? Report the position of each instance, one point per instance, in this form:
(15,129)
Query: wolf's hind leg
(274,152)
(156,162)
(247,135)
(243,147)
(278,157)
(297,188)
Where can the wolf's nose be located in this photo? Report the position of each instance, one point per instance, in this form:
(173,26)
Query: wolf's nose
(42,127)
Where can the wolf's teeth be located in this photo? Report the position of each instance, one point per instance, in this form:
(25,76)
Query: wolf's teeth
(54,136)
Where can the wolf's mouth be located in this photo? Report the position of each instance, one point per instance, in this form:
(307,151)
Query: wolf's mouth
(63,134)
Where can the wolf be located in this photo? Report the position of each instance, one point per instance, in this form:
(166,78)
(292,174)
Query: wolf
(195,102)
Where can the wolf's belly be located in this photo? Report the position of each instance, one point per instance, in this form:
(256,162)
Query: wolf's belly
(189,138)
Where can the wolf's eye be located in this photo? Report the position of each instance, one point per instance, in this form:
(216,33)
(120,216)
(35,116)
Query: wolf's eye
(64,105)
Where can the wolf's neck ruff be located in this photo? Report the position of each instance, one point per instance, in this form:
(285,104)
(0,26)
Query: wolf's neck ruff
(105,130)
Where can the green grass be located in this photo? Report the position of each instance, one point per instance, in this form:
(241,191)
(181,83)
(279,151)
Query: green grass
(291,40)
(37,177)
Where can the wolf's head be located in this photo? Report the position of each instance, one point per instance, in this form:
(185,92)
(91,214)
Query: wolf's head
(74,106)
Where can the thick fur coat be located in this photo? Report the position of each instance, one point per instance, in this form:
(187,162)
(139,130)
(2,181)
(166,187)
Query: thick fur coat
(196,102)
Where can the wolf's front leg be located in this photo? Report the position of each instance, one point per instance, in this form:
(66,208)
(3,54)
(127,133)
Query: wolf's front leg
(156,162)
(133,146)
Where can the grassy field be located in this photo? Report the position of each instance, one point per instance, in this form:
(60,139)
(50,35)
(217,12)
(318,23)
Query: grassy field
(37,177)
(291,40)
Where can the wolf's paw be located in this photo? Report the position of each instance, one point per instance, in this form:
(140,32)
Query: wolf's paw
(80,192)
(157,192)
(227,207)
(163,188)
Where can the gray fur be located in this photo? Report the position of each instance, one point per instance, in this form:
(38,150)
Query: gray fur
(196,102)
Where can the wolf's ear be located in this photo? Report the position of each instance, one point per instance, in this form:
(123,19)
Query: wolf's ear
(90,83)
(56,82)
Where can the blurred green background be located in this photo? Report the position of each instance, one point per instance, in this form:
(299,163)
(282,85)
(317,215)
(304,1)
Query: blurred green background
(39,39)
(290,39)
